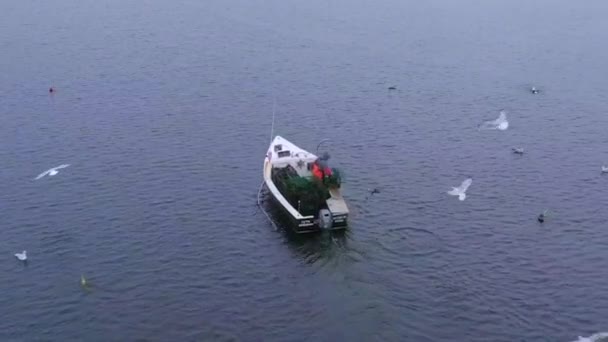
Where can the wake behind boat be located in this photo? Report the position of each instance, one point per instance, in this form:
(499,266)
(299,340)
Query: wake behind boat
(305,187)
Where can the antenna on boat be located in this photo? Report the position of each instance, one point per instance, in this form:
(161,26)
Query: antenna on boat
(321,143)
(274,107)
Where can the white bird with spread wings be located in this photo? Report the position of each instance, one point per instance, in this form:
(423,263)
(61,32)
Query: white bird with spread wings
(593,338)
(461,191)
(500,124)
(53,171)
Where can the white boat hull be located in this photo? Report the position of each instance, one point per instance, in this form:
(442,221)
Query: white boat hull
(302,224)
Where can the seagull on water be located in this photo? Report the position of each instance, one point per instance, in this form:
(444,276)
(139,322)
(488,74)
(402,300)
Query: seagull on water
(501,123)
(53,171)
(21,256)
(518,150)
(604,169)
(533,90)
(461,191)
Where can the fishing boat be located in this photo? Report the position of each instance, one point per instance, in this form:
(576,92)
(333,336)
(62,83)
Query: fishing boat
(305,187)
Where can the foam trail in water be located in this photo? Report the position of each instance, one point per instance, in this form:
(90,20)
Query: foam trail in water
(599,337)
(500,124)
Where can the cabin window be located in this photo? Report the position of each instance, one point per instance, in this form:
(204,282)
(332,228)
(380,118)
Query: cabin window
(278,147)
(284,154)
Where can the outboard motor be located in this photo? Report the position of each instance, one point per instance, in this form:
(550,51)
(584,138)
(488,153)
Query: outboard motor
(325,219)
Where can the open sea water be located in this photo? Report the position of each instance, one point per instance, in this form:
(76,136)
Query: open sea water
(163,109)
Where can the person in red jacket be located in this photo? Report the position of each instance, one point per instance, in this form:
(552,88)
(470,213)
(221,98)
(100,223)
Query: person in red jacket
(317,172)
(320,171)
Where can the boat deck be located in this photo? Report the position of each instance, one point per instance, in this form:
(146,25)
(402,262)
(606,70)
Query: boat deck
(336,203)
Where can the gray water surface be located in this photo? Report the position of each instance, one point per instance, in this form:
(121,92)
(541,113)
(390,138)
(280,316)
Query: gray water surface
(163,109)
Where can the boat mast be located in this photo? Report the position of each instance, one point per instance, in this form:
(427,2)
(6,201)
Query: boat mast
(274,106)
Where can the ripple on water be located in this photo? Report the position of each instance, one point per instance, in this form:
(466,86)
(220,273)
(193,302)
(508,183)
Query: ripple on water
(409,241)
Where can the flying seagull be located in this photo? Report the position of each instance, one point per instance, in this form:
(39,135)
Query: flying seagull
(518,150)
(593,338)
(21,256)
(53,171)
(501,123)
(461,191)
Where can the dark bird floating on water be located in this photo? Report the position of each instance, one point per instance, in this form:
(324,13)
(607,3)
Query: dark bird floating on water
(51,90)
(518,150)
(371,192)
(542,216)
(533,90)
(392,88)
